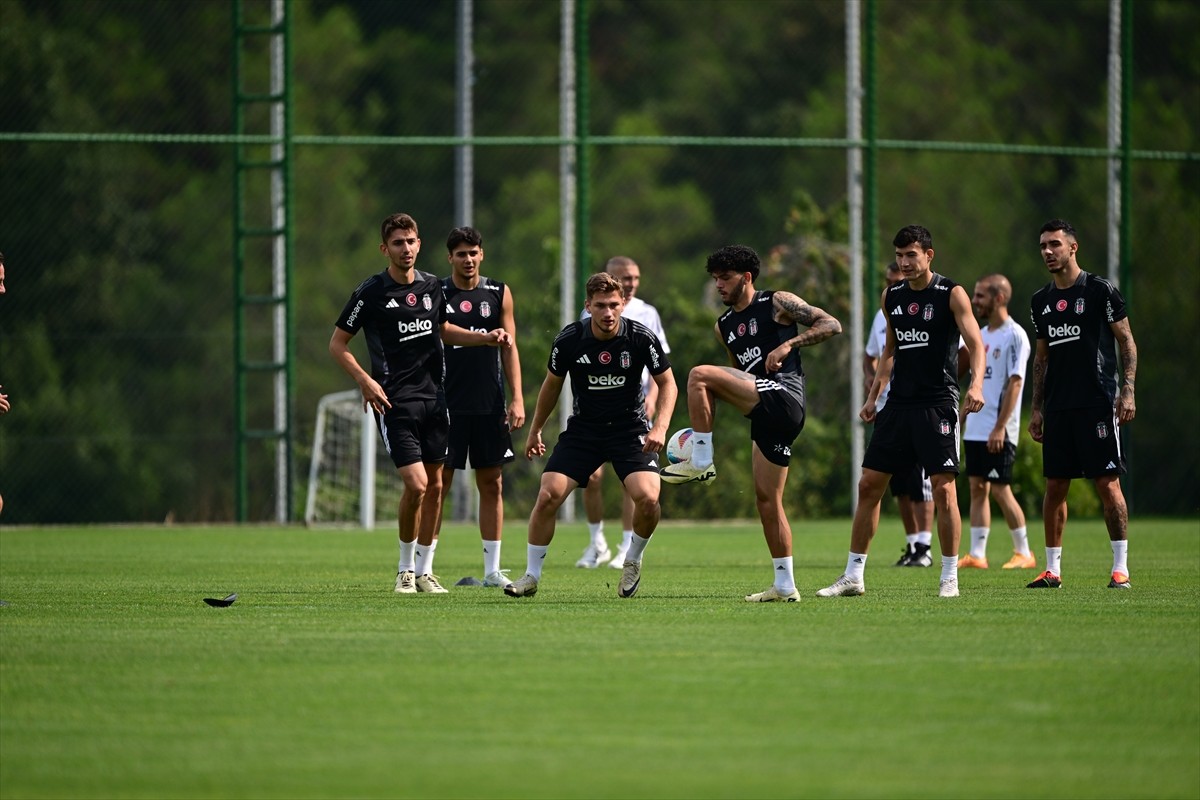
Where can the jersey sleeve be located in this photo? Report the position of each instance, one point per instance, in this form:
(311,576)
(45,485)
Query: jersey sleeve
(1038,331)
(1018,352)
(656,327)
(356,310)
(562,351)
(877,336)
(1114,302)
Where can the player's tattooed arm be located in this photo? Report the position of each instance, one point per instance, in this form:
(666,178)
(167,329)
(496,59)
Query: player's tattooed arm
(1040,356)
(821,325)
(1126,408)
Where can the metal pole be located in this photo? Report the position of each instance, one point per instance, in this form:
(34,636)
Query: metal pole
(1114,141)
(279,262)
(854,189)
(567,203)
(465,495)
(870,199)
(464,123)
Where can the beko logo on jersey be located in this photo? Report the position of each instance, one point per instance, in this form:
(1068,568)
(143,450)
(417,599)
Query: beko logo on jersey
(751,355)
(1063,331)
(912,336)
(416,326)
(354,314)
(606,381)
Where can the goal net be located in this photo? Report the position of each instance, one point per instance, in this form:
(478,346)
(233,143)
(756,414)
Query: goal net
(346,481)
(351,479)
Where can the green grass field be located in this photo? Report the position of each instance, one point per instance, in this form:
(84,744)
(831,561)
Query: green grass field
(117,681)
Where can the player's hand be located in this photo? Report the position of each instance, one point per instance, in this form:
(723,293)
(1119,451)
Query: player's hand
(374,396)
(534,445)
(995,442)
(1035,426)
(499,338)
(776,357)
(867,413)
(655,441)
(974,399)
(516,414)
(4,404)
(1126,408)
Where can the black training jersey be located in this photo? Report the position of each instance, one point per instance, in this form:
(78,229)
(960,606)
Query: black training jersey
(1081,371)
(925,369)
(474,376)
(606,376)
(752,333)
(402,323)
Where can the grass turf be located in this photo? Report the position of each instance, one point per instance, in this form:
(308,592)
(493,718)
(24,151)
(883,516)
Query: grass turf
(117,681)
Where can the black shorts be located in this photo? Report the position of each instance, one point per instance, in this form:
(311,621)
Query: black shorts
(994,467)
(583,447)
(908,435)
(483,437)
(777,419)
(912,483)
(415,431)
(1081,443)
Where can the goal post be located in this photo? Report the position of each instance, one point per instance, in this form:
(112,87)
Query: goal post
(341,474)
(350,478)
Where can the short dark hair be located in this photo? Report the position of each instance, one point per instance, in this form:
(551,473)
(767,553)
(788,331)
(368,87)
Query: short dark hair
(397,222)
(1058,225)
(914,233)
(603,283)
(734,258)
(463,235)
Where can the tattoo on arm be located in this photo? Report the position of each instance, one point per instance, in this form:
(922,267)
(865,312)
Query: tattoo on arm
(790,308)
(1039,381)
(1128,353)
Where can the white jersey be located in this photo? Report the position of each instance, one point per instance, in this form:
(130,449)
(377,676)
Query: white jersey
(1006,352)
(876,341)
(639,310)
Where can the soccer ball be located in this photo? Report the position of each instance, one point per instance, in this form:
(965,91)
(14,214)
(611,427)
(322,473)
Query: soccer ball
(679,446)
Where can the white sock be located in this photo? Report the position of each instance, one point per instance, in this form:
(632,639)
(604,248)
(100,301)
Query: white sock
(596,530)
(949,568)
(1120,556)
(702,449)
(425,558)
(1020,541)
(535,556)
(855,564)
(911,538)
(925,538)
(1054,560)
(637,545)
(979,541)
(491,556)
(407,564)
(785,581)
(626,538)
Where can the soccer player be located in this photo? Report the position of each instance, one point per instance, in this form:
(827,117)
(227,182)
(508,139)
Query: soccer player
(403,312)
(605,356)
(926,314)
(990,435)
(912,489)
(629,275)
(1080,322)
(760,331)
(480,423)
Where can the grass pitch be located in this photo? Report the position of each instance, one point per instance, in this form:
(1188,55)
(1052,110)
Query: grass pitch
(117,681)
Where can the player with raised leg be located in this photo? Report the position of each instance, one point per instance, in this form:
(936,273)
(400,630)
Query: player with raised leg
(760,331)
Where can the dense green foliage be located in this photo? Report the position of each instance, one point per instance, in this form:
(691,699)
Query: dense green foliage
(116,337)
(117,681)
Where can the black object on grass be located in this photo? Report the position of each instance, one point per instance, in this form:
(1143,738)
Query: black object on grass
(221,602)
